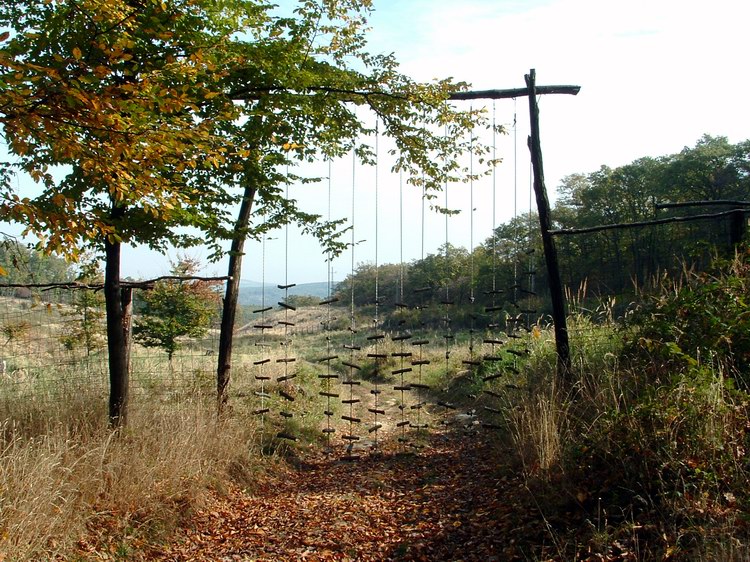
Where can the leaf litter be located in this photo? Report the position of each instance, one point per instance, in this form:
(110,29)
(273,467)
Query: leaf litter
(449,500)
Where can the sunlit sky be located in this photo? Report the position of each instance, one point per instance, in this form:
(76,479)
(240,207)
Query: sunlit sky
(655,76)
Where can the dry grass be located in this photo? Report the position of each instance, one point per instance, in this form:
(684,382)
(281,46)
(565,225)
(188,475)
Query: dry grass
(68,482)
(539,427)
(69,486)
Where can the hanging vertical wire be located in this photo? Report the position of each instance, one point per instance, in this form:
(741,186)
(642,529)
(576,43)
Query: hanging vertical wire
(491,339)
(515,198)
(401,236)
(512,321)
(420,361)
(285,390)
(422,223)
(352,325)
(494,291)
(494,204)
(472,362)
(516,281)
(493,307)
(261,363)
(532,264)
(350,437)
(471,215)
(328,301)
(403,334)
(529,252)
(377,356)
(329,288)
(377,218)
(447,335)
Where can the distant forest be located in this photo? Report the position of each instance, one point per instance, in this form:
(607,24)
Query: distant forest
(507,269)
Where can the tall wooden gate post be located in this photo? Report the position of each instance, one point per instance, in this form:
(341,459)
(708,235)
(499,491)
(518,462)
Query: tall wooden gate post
(564,367)
(558,300)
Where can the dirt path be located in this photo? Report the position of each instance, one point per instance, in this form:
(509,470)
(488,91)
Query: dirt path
(448,501)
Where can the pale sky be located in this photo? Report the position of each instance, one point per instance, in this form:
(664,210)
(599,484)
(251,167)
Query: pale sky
(655,76)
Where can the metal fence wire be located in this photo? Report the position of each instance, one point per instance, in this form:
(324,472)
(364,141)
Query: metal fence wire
(53,342)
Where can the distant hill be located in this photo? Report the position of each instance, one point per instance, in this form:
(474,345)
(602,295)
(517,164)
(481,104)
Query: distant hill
(250,283)
(252,292)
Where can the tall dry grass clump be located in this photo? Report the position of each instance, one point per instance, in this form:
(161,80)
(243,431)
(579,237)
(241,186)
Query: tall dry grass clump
(539,427)
(68,483)
(546,419)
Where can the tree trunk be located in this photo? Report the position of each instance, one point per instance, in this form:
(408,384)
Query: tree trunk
(229,309)
(117,337)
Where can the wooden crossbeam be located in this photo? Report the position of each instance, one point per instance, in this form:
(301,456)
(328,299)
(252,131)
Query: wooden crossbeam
(513,93)
(640,224)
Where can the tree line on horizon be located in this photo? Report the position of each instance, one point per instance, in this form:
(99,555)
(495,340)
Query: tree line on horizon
(508,267)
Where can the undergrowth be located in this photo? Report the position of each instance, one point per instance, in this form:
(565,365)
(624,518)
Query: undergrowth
(645,457)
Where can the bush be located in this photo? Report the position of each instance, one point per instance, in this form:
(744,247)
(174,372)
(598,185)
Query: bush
(174,309)
(705,318)
(650,451)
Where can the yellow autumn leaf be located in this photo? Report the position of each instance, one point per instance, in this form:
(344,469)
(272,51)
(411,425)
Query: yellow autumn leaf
(77,53)
(3,272)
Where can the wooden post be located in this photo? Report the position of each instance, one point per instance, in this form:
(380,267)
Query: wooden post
(737,228)
(564,369)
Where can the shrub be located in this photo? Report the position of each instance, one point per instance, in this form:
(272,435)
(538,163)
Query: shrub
(706,317)
(174,309)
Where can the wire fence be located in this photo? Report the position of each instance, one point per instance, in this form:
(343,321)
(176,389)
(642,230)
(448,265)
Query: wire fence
(52,346)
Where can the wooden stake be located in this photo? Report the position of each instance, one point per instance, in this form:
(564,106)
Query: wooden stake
(564,369)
